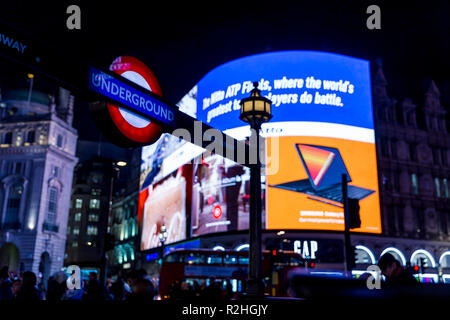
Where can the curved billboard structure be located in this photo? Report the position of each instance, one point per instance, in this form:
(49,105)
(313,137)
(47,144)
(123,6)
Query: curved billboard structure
(322,127)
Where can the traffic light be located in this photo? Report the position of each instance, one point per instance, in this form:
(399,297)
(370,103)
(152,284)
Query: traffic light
(421,264)
(353,213)
(355,256)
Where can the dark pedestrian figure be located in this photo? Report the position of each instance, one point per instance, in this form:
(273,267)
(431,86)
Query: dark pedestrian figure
(94,290)
(117,290)
(6,293)
(395,274)
(28,290)
(142,288)
(228,291)
(212,293)
(56,286)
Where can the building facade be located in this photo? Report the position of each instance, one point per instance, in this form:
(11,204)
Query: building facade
(413,152)
(95,183)
(37,158)
(123,253)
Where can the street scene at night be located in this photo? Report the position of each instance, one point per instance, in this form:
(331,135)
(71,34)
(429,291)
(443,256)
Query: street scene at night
(241,159)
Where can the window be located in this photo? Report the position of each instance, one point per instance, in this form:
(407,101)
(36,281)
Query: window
(420,221)
(396,180)
(134,228)
(174,257)
(438,187)
(444,157)
(412,152)
(97,178)
(68,230)
(96,192)
(445,185)
(77,216)
(7,138)
(76,231)
(399,215)
(52,205)
(384,147)
(75,244)
(443,218)
(31,136)
(91,244)
(212,259)
(18,139)
(55,171)
(391,221)
(41,139)
(59,141)
(243,260)
(78,203)
(13,204)
(94,204)
(230,259)
(437,156)
(18,168)
(194,258)
(415,184)
(93,217)
(92,230)
(393,148)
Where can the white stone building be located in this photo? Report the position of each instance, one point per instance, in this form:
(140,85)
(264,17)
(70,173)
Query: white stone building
(37,158)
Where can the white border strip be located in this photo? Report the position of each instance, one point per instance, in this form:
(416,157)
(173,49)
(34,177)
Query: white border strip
(400,254)
(307,129)
(425,252)
(368,251)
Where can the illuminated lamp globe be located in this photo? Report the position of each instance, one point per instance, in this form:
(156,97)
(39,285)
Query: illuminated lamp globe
(256,109)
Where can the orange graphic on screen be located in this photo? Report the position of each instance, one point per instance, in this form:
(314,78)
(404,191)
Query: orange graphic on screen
(317,160)
(306,193)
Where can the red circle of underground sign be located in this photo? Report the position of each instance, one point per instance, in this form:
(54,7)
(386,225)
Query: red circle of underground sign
(217,211)
(153,130)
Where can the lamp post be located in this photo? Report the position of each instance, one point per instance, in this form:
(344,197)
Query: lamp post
(107,239)
(255,110)
(162,238)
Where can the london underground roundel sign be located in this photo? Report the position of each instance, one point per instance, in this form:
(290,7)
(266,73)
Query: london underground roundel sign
(133,126)
(121,126)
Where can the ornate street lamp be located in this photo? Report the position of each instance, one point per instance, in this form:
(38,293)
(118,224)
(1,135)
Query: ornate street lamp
(255,110)
(162,238)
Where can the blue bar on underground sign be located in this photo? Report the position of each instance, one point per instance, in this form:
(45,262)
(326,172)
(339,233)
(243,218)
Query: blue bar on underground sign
(116,90)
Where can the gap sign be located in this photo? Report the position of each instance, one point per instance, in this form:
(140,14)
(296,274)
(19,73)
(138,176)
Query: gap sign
(127,95)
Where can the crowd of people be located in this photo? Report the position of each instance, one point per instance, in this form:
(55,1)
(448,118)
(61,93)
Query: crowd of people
(136,285)
(212,292)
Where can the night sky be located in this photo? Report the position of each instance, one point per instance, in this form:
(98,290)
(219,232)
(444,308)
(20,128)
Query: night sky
(182,40)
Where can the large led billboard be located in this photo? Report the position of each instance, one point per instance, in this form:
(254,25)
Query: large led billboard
(165,190)
(322,127)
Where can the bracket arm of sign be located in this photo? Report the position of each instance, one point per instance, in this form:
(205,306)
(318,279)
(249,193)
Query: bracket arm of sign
(111,87)
(102,85)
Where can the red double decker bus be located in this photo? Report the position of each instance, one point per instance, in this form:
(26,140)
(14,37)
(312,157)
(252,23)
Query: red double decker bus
(202,265)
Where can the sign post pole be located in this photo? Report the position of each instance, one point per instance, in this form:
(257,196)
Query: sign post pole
(347,241)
